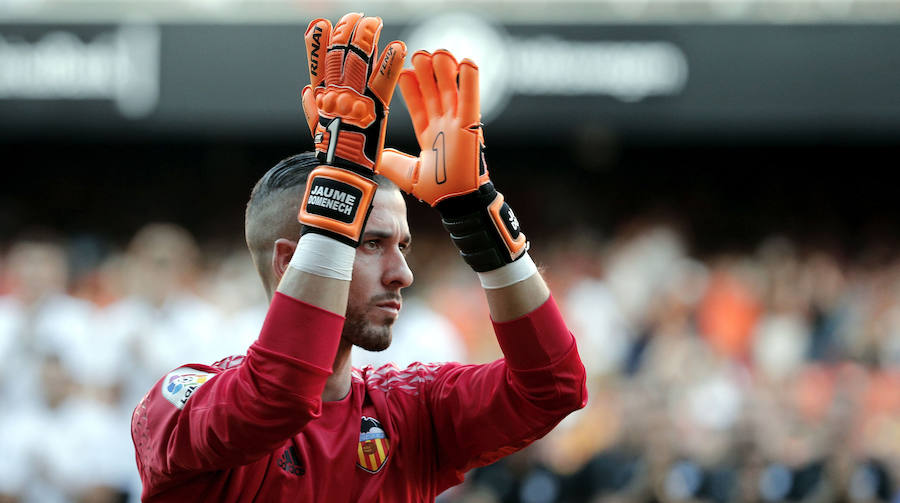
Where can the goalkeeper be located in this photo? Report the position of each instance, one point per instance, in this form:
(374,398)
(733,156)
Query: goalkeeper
(292,420)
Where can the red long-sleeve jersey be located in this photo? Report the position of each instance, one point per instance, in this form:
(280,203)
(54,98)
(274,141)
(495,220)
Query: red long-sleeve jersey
(254,428)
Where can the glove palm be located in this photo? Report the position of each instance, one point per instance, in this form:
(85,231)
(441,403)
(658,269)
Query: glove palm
(450,173)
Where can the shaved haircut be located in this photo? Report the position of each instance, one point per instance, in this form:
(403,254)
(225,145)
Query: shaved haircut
(273,207)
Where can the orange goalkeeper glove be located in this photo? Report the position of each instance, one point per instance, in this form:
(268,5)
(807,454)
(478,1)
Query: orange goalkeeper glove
(346,108)
(450,173)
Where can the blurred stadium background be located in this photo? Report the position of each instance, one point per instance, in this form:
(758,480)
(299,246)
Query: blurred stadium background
(707,183)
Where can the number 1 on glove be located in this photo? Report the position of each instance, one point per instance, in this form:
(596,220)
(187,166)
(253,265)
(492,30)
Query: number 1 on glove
(450,174)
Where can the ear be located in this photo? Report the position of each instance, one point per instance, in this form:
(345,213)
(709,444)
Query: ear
(281,256)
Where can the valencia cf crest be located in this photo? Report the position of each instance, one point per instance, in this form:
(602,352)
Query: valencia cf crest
(374,447)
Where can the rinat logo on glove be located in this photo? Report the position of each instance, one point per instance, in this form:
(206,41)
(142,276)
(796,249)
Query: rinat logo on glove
(346,108)
(346,103)
(315,45)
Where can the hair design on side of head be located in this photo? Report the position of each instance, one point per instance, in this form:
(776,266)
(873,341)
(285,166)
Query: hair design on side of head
(272,210)
(288,173)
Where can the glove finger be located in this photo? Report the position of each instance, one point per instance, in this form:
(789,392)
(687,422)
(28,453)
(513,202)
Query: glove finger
(310,110)
(364,38)
(469,107)
(422,65)
(387,71)
(400,168)
(340,38)
(317,35)
(445,72)
(409,88)
(343,30)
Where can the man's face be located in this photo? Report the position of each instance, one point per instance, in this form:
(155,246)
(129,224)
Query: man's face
(379,273)
(37,270)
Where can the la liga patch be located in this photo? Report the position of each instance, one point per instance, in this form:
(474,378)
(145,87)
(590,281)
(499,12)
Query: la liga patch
(181,383)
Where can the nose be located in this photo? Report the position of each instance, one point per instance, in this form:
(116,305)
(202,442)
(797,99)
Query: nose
(397,273)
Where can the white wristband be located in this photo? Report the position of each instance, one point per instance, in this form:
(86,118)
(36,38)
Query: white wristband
(510,274)
(323,256)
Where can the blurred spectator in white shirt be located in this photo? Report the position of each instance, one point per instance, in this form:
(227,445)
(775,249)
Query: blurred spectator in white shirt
(233,285)
(49,389)
(161,322)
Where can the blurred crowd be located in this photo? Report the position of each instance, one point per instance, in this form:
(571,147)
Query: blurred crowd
(769,374)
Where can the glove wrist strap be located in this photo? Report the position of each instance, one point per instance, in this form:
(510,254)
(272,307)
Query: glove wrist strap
(337,203)
(483,228)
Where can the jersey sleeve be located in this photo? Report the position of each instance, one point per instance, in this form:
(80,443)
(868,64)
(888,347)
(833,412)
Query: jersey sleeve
(483,412)
(202,418)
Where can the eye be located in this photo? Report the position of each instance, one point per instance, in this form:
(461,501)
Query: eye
(404,248)
(371,244)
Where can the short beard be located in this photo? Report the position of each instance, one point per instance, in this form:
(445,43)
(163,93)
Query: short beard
(368,336)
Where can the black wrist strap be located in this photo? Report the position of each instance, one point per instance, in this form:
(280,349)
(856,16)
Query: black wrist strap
(483,228)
